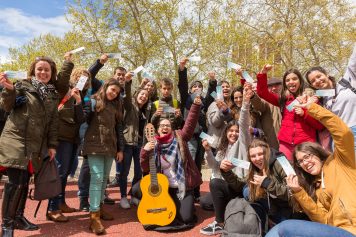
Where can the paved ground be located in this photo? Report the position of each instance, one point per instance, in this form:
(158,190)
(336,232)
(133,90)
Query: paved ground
(124,224)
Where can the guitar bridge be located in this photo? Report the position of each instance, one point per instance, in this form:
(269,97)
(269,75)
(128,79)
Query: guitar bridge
(156,210)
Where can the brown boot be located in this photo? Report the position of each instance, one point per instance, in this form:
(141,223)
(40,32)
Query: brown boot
(66,209)
(56,216)
(95,224)
(105,215)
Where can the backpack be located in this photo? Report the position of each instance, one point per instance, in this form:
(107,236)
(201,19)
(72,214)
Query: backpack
(241,220)
(345,83)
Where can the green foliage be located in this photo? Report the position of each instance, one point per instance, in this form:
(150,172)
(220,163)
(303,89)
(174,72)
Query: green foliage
(157,34)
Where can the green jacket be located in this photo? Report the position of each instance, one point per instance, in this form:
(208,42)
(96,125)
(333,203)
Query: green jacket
(30,129)
(131,117)
(71,116)
(274,185)
(102,137)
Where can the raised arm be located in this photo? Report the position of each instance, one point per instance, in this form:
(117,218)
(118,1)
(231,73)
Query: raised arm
(211,87)
(191,121)
(350,73)
(63,77)
(216,117)
(183,86)
(94,69)
(341,134)
(262,90)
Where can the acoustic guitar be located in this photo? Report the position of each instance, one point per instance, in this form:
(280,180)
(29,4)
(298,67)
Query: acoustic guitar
(156,206)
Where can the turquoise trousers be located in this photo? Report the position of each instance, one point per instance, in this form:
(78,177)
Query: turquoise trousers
(100,167)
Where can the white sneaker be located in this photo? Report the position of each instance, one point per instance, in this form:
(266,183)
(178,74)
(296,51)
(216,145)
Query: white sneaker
(134,201)
(124,203)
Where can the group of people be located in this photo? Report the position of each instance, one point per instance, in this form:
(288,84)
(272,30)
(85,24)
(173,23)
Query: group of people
(259,124)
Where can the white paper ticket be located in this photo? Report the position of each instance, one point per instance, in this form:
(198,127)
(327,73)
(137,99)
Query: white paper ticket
(81,82)
(287,167)
(77,50)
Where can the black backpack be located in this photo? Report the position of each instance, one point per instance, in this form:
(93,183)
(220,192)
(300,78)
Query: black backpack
(241,220)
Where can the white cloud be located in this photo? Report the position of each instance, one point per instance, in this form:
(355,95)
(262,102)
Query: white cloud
(19,27)
(16,21)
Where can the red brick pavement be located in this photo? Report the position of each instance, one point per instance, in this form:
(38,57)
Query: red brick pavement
(124,224)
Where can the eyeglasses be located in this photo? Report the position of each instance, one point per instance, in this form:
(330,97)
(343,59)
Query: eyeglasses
(164,125)
(305,158)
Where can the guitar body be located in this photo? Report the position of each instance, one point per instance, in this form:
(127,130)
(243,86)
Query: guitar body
(156,206)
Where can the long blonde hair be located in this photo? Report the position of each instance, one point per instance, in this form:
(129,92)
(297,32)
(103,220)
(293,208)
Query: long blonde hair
(256,192)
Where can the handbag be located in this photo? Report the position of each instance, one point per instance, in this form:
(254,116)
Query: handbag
(47,181)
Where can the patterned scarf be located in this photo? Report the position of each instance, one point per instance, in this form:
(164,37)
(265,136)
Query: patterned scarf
(42,88)
(167,149)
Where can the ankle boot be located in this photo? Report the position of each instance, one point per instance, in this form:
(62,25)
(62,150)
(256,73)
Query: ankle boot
(10,203)
(84,204)
(104,215)
(95,223)
(21,222)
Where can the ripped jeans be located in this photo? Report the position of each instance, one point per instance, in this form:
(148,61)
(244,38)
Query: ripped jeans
(99,173)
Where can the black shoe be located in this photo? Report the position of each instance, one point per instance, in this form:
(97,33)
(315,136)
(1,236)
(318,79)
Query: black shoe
(113,183)
(84,204)
(12,195)
(109,201)
(21,223)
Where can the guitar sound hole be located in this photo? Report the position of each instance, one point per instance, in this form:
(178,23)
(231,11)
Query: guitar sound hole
(154,189)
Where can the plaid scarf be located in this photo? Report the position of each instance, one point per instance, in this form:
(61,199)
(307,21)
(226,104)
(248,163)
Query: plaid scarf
(167,149)
(42,88)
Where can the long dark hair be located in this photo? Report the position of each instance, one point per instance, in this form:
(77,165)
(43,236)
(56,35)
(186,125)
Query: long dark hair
(322,70)
(306,180)
(224,142)
(102,101)
(256,192)
(52,64)
(285,92)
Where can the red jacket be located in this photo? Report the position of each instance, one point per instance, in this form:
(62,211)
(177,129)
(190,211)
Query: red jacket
(294,128)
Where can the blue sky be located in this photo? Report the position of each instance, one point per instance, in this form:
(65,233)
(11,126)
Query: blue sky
(22,20)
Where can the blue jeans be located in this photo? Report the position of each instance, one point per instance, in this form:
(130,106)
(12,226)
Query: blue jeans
(301,228)
(66,153)
(130,152)
(84,179)
(100,166)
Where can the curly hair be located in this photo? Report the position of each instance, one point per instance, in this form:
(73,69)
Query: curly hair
(74,77)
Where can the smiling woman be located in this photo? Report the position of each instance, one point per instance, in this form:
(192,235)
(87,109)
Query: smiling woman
(296,126)
(325,185)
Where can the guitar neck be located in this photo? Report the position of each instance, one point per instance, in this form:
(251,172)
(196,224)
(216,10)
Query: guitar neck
(153,171)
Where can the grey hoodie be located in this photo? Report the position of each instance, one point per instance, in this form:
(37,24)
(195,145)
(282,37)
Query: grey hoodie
(344,104)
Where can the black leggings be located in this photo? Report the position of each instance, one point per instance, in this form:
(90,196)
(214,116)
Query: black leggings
(221,194)
(18,176)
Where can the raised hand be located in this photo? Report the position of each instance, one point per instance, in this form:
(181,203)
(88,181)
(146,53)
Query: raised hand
(68,56)
(76,94)
(206,145)
(197,100)
(149,146)
(182,63)
(266,68)
(221,105)
(248,93)
(6,83)
(103,59)
(212,75)
(239,72)
(128,76)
